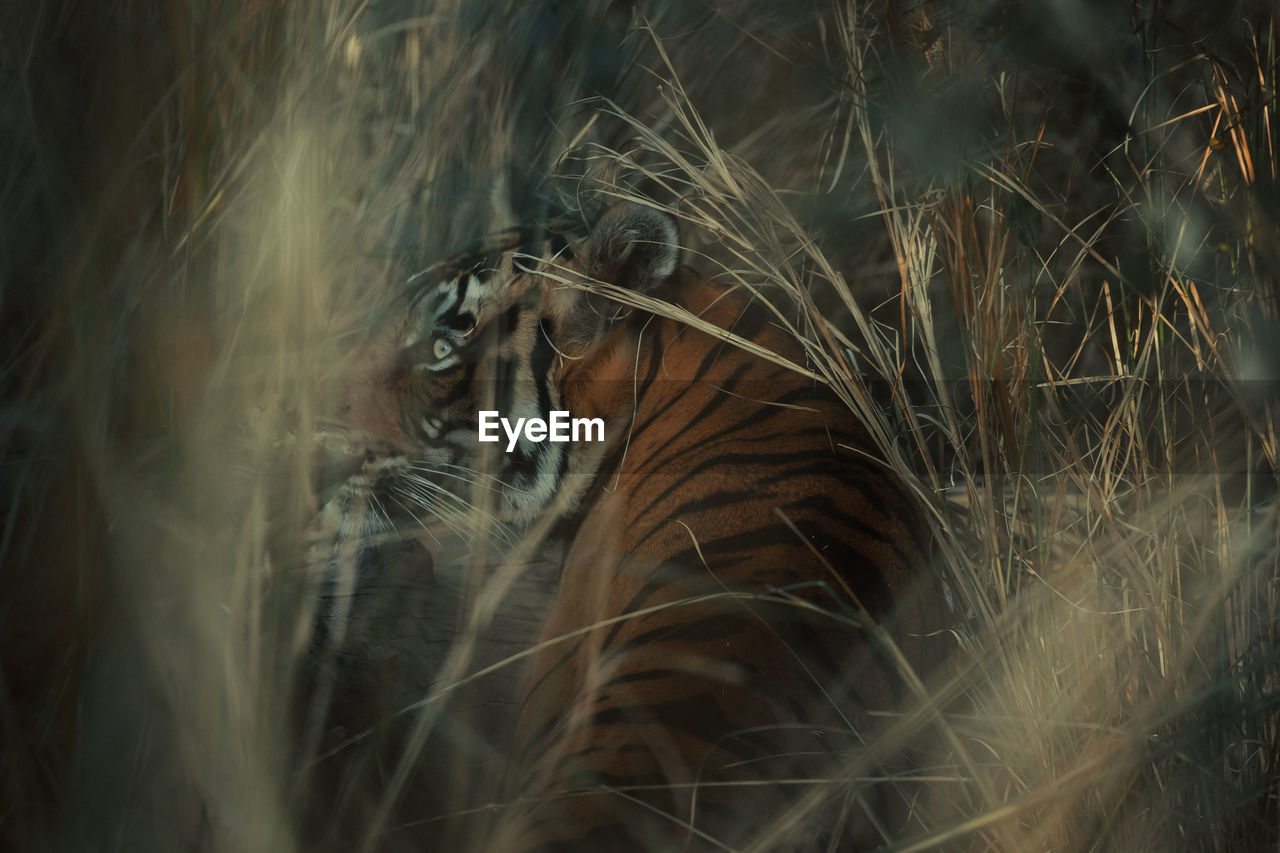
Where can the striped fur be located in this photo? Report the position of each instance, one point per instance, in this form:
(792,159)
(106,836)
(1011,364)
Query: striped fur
(724,545)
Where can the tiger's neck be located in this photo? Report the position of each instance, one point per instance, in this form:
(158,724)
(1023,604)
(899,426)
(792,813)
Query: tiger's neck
(652,369)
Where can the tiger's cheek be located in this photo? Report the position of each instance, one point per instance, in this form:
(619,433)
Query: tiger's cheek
(442,408)
(368,401)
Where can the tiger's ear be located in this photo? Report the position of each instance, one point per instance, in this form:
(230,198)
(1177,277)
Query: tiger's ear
(633,246)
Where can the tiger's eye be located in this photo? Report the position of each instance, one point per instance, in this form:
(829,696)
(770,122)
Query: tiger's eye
(441,349)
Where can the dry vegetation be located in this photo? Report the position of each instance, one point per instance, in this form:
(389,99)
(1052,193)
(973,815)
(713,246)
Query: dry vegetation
(1034,245)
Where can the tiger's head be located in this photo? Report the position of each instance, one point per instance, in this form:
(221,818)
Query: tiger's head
(500,330)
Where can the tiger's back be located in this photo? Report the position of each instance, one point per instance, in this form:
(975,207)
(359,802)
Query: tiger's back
(730,540)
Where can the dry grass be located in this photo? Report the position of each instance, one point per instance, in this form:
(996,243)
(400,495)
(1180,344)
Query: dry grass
(1036,252)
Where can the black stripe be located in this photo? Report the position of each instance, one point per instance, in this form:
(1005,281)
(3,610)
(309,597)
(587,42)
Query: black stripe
(460,389)
(549,724)
(505,371)
(751,321)
(816,504)
(700,503)
(660,577)
(521,465)
(865,577)
(540,361)
(642,675)
(698,715)
(730,548)
(701,629)
(458,321)
(652,350)
(459,292)
(748,470)
(765,411)
(510,320)
(716,401)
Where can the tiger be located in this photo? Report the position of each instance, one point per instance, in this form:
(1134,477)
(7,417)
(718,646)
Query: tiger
(733,552)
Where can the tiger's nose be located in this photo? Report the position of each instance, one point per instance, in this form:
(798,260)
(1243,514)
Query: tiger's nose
(342,452)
